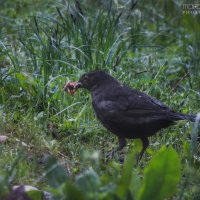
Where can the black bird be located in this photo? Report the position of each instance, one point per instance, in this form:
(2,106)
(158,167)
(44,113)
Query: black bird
(126,112)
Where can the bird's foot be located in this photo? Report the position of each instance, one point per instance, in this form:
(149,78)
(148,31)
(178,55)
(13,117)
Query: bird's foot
(110,155)
(121,160)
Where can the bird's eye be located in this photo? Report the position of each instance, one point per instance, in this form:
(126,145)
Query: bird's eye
(86,77)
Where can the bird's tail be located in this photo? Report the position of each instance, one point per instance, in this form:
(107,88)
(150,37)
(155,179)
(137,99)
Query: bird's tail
(188,117)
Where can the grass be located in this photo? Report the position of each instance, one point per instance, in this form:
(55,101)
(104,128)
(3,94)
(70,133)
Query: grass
(43,46)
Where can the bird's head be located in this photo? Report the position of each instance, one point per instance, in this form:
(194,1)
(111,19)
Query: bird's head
(88,81)
(91,79)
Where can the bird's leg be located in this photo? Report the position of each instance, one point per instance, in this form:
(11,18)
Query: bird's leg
(122,144)
(145,144)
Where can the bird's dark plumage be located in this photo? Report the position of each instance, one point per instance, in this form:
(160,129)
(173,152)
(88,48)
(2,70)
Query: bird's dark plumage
(126,112)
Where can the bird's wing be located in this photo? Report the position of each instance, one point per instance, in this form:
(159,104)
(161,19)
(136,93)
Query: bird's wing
(143,101)
(132,104)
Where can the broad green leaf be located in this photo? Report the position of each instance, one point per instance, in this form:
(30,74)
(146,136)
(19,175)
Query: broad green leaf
(26,82)
(35,194)
(88,181)
(135,183)
(161,176)
(123,187)
(66,191)
(55,173)
(70,191)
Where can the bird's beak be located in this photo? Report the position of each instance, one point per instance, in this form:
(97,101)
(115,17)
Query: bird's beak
(71,87)
(78,84)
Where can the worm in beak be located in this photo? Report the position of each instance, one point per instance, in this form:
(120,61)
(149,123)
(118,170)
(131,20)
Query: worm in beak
(71,87)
